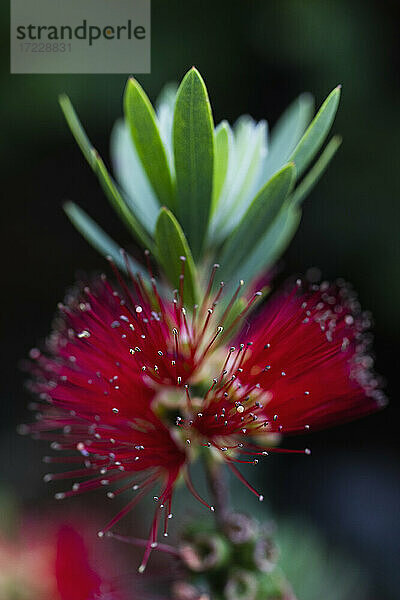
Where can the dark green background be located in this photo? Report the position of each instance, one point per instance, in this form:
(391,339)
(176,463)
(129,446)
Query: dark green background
(255,56)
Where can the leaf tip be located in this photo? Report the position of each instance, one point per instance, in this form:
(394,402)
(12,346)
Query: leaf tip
(67,205)
(306,97)
(337,91)
(131,84)
(193,72)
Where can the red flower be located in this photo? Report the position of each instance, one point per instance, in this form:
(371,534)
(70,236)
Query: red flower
(133,381)
(51,562)
(76,580)
(301,364)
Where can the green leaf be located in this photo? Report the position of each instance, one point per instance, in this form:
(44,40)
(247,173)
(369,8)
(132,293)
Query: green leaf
(95,235)
(166,98)
(142,122)
(132,178)
(316,133)
(251,148)
(287,133)
(165,105)
(193,139)
(119,204)
(221,160)
(258,218)
(77,130)
(108,185)
(171,245)
(243,181)
(273,244)
(316,172)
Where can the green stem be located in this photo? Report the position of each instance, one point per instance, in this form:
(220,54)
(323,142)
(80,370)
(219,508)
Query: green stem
(217,482)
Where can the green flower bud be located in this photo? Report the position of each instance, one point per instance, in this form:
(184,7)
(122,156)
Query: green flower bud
(239,528)
(241,585)
(205,552)
(181,590)
(265,555)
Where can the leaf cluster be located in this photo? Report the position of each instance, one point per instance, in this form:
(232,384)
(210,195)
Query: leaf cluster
(185,188)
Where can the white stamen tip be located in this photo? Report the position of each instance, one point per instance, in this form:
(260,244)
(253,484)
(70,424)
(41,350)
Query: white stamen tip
(84,334)
(261,498)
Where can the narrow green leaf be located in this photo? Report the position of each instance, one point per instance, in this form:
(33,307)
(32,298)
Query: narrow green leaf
(77,130)
(97,238)
(243,181)
(166,98)
(193,140)
(258,218)
(132,178)
(273,244)
(221,160)
(171,245)
(165,105)
(316,172)
(287,133)
(108,185)
(316,133)
(251,149)
(142,122)
(119,204)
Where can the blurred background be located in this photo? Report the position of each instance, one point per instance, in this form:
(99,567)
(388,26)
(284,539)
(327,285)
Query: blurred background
(256,57)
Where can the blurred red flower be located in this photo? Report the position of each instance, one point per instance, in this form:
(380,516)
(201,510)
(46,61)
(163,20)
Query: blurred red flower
(51,563)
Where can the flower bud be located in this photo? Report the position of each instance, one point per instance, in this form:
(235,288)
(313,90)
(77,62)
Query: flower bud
(204,552)
(265,555)
(241,585)
(181,590)
(239,528)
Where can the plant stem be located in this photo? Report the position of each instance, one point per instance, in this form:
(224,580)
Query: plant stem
(217,483)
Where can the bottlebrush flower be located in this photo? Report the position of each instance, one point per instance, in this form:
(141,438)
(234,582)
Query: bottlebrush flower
(137,382)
